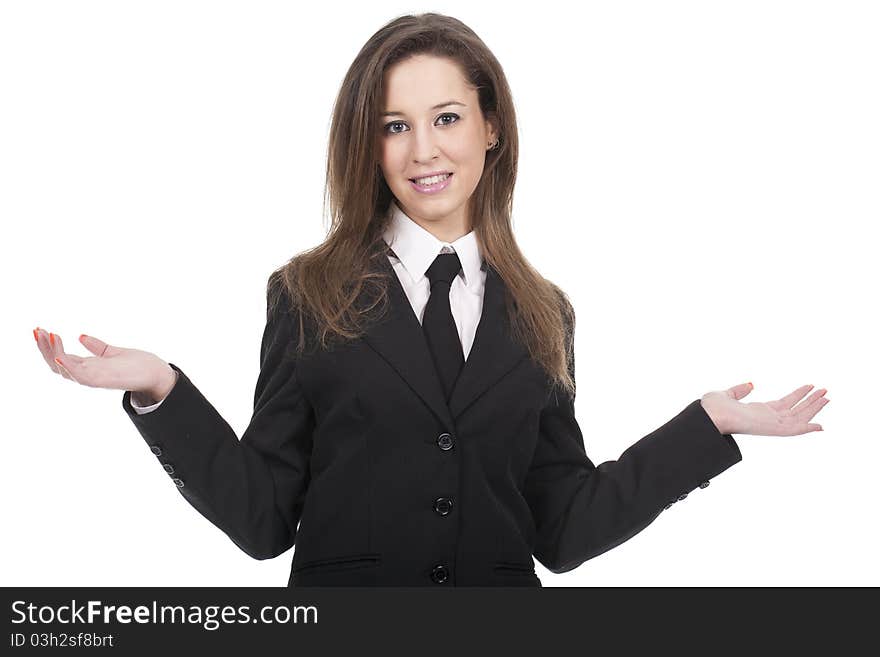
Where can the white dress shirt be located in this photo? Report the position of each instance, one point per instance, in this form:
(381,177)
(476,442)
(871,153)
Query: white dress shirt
(414,250)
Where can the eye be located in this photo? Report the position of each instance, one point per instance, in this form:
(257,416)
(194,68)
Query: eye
(449,114)
(389,127)
(393,123)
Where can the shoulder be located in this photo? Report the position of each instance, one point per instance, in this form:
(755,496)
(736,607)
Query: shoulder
(276,293)
(566,308)
(280,293)
(285,309)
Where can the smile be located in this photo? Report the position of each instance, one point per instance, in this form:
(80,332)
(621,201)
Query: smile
(431,184)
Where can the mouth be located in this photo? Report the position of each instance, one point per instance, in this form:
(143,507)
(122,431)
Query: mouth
(432,183)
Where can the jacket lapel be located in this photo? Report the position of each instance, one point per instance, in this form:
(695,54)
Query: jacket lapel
(493,353)
(399,339)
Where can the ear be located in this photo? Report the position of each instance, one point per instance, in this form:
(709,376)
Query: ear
(491,127)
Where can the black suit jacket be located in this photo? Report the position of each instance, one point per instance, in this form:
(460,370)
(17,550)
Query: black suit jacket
(354,455)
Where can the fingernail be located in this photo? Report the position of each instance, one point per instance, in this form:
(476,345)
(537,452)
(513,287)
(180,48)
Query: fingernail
(36,336)
(52,339)
(751,384)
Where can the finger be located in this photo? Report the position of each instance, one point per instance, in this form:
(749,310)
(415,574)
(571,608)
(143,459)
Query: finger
(93,344)
(56,347)
(741,390)
(814,427)
(795,396)
(807,410)
(809,400)
(63,369)
(57,344)
(46,350)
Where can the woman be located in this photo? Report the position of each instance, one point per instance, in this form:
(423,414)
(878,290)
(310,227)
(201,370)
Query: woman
(414,413)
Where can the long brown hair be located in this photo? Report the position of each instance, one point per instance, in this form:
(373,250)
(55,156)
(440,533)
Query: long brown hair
(326,281)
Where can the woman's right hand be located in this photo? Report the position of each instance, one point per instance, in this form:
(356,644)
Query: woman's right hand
(116,368)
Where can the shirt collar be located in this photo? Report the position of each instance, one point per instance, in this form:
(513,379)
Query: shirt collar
(416,247)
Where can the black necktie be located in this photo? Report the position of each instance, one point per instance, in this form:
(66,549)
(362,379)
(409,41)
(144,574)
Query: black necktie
(437,322)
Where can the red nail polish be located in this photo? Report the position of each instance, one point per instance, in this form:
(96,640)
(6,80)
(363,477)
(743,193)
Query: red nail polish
(52,339)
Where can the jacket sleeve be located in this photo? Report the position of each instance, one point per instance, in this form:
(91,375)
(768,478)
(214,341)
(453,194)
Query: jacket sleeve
(252,489)
(582,510)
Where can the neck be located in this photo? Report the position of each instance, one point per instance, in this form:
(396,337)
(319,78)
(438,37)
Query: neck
(447,229)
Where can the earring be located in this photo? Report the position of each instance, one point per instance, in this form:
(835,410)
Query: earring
(493,145)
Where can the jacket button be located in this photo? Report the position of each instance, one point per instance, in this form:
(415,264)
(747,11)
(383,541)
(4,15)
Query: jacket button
(704,484)
(178,482)
(168,468)
(156,450)
(682,496)
(440,573)
(443,505)
(445,441)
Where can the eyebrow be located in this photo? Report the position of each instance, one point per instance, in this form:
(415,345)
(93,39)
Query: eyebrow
(446,104)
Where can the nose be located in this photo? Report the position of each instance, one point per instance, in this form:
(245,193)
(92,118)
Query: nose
(424,145)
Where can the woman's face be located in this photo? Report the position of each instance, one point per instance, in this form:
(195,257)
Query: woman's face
(418,137)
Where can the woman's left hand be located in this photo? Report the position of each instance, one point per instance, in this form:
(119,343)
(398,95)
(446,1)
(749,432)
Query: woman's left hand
(774,418)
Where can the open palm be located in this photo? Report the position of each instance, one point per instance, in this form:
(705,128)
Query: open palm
(117,368)
(787,416)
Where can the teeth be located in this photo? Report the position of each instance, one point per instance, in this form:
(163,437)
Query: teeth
(432,180)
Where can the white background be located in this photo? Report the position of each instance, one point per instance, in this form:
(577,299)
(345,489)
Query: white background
(701,178)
